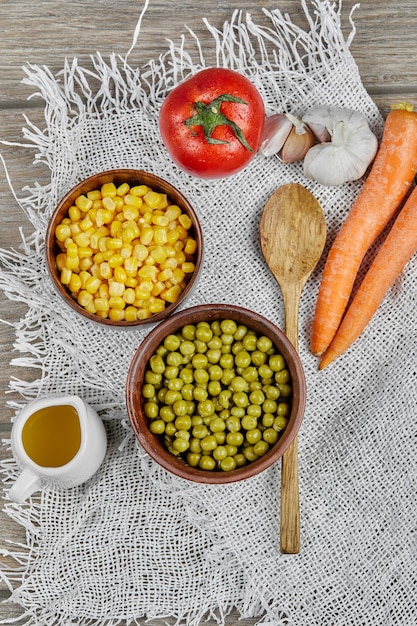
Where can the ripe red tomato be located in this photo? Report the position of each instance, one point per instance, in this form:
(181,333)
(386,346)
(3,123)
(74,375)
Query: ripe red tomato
(211,124)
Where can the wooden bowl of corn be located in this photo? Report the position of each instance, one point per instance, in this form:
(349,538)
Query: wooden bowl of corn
(124,248)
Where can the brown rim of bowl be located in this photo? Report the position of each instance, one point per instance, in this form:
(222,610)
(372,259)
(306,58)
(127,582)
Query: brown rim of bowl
(133,177)
(154,445)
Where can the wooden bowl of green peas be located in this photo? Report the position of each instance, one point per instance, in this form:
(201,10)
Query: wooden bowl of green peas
(216,393)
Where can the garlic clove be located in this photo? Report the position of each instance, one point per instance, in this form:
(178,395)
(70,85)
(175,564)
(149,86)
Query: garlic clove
(320,132)
(297,145)
(277,127)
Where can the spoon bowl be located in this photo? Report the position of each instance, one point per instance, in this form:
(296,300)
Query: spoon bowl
(292,235)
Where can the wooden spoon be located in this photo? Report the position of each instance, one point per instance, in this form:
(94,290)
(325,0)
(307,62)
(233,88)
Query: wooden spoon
(292,237)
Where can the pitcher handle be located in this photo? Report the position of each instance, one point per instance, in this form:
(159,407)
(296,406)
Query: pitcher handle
(24,486)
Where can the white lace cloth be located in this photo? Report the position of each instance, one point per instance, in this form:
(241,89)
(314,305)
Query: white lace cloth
(136,542)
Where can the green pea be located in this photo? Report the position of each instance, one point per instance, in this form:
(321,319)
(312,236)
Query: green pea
(264,343)
(228,375)
(215,343)
(201,376)
(240,459)
(188,332)
(240,398)
(237,346)
(180,408)
(283,409)
(237,411)
(199,361)
(193,459)
(249,422)
(283,376)
(187,348)
(270,436)
(228,464)
(157,426)
(253,435)
(156,363)
(195,445)
(234,439)
(224,398)
(172,396)
(220,453)
(167,413)
(220,437)
(280,423)
(249,454)
(208,443)
(186,375)
(271,392)
(238,383)
(213,355)
(183,422)
(152,377)
(258,358)
(175,383)
(215,372)
(228,326)
(174,358)
(214,388)
(257,397)
(161,350)
(265,371)
(285,390)
(180,445)
(187,392)
(151,409)
(243,359)
(233,424)
(249,342)
(227,349)
(215,327)
(170,429)
(200,394)
(207,463)
(204,333)
(200,346)
(231,450)
(227,339)
(240,332)
(254,410)
(205,408)
(227,361)
(260,448)
(268,420)
(269,406)
(200,431)
(277,362)
(148,390)
(183,434)
(217,425)
(172,343)
(171,371)
(250,374)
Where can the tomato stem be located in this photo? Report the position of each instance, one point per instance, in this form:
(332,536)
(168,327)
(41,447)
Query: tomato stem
(209,117)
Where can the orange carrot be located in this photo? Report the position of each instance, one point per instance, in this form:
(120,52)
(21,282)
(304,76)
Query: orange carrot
(388,182)
(396,251)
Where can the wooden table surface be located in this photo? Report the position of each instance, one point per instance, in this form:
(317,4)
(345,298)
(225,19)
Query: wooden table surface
(46,31)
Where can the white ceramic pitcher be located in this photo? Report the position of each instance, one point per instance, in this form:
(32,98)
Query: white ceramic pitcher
(85,462)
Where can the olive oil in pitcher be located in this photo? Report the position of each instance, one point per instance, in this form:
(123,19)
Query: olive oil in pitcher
(51,436)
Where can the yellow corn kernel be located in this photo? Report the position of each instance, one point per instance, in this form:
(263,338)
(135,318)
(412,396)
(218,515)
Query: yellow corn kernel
(185,221)
(143,314)
(97,204)
(190,246)
(163,201)
(131,281)
(123,189)
(188,267)
(102,243)
(91,307)
(130,213)
(72,249)
(116,315)
(120,274)
(173,236)
(159,253)
(74,283)
(92,284)
(126,250)
(116,302)
(129,296)
(146,217)
(173,212)
(177,276)
(62,232)
(160,235)
(104,216)
(165,274)
(170,250)
(116,289)
(183,232)
(75,228)
(157,288)
(109,204)
(152,198)
(85,251)
(60,261)
(83,203)
(114,243)
(139,190)
(82,239)
(94,194)
(156,305)
(170,263)
(131,265)
(133,201)
(102,304)
(66,274)
(116,260)
(180,257)
(141,294)
(72,262)
(74,213)
(106,271)
(84,298)
(148,272)
(66,220)
(84,276)
(103,291)
(140,252)
(87,222)
(108,190)
(171,294)
(95,270)
(130,314)
(131,225)
(118,201)
(94,239)
(146,235)
(86,263)
(115,228)
(178,246)
(159,219)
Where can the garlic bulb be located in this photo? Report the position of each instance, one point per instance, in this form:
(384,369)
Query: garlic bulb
(350,148)
(286,136)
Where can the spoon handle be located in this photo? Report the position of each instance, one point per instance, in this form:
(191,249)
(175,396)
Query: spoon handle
(290,498)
